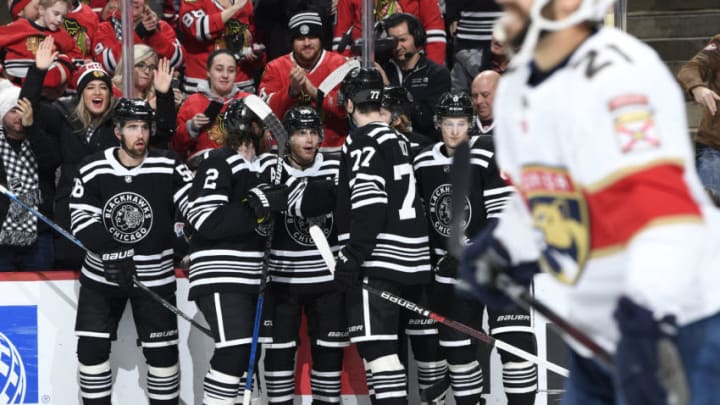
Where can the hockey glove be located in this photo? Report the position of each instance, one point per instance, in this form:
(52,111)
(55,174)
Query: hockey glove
(119,266)
(347,271)
(482,262)
(647,361)
(267,198)
(447,267)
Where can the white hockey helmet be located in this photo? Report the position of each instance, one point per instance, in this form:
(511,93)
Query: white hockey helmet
(588,10)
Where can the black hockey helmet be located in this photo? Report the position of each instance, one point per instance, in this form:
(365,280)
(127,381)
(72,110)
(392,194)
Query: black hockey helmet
(132,109)
(302,117)
(362,86)
(236,123)
(397,99)
(238,117)
(453,105)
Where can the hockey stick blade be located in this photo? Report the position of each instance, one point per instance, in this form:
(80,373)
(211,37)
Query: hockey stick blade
(460,179)
(77,242)
(322,245)
(271,122)
(336,77)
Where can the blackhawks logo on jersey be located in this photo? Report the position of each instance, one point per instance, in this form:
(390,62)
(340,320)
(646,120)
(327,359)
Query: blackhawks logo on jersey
(559,212)
(128,217)
(235,37)
(440,205)
(73,27)
(299,228)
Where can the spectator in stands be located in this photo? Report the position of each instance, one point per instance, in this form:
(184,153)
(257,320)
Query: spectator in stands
(198,123)
(19,40)
(483,95)
(470,22)
(412,69)
(27,169)
(24,9)
(208,25)
(292,79)
(471,61)
(272,17)
(149,30)
(699,77)
(82,23)
(349,23)
(146,63)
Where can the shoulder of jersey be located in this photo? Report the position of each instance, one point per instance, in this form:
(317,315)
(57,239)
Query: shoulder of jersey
(484,142)
(427,154)
(382,133)
(93,162)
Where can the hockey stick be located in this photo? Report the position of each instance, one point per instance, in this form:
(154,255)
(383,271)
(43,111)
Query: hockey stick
(332,80)
(460,182)
(322,244)
(272,123)
(67,235)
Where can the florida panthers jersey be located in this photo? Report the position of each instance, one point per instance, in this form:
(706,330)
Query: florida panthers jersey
(295,262)
(487,196)
(610,200)
(380,218)
(114,206)
(226,250)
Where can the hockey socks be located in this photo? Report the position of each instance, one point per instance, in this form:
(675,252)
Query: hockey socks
(95,383)
(280,375)
(163,385)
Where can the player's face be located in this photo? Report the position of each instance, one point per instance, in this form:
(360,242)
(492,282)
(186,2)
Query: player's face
(31,11)
(304,143)
(516,20)
(483,94)
(406,42)
(306,49)
(12,121)
(52,17)
(96,97)
(222,74)
(454,131)
(134,138)
(144,73)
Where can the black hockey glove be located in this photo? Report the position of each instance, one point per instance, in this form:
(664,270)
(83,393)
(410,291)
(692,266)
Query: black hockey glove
(267,198)
(119,266)
(447,266)
(347,271)
(646,359)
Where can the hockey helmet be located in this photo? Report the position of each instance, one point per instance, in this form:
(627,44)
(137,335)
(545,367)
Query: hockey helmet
(132,109)
(302,117)
(397,99)
(362,86)
(453,105)
(236,122)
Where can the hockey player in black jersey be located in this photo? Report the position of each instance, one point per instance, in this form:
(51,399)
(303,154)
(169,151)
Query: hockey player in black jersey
(396,106)
(485,202)
(123,208)
(382,231)
(300,280)
(230,203)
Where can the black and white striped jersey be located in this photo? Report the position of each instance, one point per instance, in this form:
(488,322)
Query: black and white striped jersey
(381,222)
(487,195)
(475,18)
(226,249)
(112,206)
(295,261)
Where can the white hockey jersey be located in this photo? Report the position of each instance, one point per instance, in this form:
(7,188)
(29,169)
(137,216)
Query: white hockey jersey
(609,200)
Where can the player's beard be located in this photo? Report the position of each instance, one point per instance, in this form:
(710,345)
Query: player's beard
(133,151)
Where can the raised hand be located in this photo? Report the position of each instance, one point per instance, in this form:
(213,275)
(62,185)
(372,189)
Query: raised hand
(24,107)
(163,76)
(45,55)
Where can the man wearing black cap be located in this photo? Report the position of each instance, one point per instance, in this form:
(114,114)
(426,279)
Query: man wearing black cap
(292,79)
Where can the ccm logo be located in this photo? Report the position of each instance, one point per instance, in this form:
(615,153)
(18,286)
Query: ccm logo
(118,255)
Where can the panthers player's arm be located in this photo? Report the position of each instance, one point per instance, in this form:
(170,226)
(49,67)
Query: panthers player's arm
(368,196)
(213,212)
(86,215)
